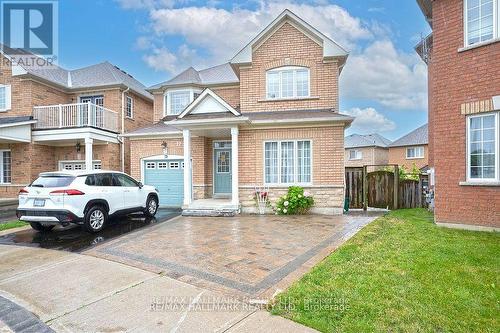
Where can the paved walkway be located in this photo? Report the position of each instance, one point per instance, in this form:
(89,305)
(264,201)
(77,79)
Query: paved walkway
(243,256)
(77,293)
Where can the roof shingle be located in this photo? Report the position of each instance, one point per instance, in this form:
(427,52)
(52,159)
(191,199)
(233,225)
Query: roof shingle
(418,136)
(369,140)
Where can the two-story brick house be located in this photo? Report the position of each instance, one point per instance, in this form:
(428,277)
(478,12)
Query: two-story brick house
(368,149)
(463,56)
(412,149)
(269,118)
(53,119)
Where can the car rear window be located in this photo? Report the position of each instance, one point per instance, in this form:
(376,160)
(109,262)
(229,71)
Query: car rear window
(53,181)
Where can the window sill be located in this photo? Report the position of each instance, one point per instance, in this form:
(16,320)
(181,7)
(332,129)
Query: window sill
(129,118)
(287,99)
(415,158)
(479,183)
(288,185)
(475,46)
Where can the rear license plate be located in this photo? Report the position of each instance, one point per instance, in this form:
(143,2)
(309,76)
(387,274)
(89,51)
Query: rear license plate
(39,202)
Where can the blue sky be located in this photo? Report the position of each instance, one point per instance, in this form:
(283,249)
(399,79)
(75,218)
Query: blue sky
(384,83)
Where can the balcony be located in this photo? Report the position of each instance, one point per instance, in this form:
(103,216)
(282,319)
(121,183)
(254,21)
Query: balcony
(75,115)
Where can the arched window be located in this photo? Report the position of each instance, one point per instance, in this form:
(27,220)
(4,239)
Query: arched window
(288,82)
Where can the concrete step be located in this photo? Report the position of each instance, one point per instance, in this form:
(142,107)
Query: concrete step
(210,212)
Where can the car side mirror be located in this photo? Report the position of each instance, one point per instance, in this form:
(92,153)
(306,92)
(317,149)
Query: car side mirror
(141,185)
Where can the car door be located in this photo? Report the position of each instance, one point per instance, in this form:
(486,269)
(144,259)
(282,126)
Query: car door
(132,194)
(107,189)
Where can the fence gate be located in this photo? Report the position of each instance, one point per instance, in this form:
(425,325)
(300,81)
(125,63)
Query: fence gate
(354,187)
(381,189)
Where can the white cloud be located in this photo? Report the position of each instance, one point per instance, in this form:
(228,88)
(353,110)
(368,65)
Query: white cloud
(162,59)
(146,4)
(369,120)
(379,72)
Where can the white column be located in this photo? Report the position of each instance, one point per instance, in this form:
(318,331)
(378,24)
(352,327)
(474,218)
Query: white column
(235,200)
(88,153)
(187,167)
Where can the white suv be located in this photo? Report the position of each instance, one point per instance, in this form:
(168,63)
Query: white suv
(88,198)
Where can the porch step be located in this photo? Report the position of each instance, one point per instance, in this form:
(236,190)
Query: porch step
(210,212)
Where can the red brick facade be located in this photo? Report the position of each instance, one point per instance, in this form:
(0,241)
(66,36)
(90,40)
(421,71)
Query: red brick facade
(456,77)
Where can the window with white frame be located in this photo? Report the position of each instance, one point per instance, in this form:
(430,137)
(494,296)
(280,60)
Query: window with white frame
(130,107)
(5,97)
(481,21)
(177,101)
(162,165)
(5,167)
(355,154)
(483,147)
(150,165)
(287,162)
(288,82)
(415,152)
(174,165)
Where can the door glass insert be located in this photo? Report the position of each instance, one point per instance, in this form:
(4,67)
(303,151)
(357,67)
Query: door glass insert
(223,162)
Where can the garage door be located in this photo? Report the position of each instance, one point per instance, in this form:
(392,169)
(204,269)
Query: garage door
(168,177)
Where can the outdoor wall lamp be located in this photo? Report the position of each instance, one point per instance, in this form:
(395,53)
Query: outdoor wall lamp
(164,146)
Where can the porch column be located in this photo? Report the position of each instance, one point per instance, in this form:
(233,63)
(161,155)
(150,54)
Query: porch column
(187,167)
(88,153)
(235,200)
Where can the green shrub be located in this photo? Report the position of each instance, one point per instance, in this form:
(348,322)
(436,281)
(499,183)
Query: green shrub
(296,201)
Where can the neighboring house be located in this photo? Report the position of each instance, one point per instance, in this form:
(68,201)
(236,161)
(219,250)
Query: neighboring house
(269,117)
(55,118)
(411,149)
(463,57)
(370,149)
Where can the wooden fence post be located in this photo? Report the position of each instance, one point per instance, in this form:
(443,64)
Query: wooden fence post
(396,186)
(365,188)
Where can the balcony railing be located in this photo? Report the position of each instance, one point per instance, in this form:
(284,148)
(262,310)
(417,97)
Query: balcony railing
(75,115)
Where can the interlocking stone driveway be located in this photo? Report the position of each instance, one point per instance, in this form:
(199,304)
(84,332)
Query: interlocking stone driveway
(246,255)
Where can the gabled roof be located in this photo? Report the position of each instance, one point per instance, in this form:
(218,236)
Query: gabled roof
(216,75)
(426,8)
(100,75)
(207,93)
(331,49)
(368,140)
(415,137)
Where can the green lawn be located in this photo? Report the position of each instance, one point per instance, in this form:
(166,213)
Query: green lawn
(402,274)
(12,224)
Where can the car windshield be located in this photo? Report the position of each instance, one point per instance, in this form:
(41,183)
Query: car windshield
(53,181)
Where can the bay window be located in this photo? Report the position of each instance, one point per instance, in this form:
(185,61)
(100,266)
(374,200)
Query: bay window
(177,101)
(481,21)
(288,82)
(483,147)
(287,162)
(5,167)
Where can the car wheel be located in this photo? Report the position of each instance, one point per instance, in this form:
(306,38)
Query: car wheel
(151,206)
(95,219)
(40,227)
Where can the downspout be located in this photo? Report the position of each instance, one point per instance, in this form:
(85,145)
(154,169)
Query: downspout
(122,140)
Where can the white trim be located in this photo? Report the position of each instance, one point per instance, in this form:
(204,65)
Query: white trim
(356,151)
(415,149)
(157,158)
(214,164)
(482,181)
(29,122)
(8,97)
(167,99)
(1,166)
(61,162)
(200,98)
(295,162)
(74,134)
(127,98)
(496,26)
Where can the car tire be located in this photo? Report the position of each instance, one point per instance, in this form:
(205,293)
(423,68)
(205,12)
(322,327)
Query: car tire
(95,219)
(40,227)
(151,206)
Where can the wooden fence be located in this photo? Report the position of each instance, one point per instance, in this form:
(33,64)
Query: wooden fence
(354,187)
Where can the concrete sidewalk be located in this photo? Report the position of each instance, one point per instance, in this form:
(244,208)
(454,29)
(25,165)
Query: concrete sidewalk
(77,293)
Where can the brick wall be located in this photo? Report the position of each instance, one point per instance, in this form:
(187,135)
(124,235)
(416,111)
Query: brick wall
(230,94)
(371,156)
(397,155)
(289,46)
(456,78)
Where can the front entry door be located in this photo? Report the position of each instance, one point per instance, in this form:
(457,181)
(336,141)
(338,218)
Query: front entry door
(222,171)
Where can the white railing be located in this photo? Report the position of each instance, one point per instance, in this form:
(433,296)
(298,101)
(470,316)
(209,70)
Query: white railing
(75,115)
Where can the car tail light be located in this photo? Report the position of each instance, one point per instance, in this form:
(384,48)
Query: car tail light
(67,192)
(23,191)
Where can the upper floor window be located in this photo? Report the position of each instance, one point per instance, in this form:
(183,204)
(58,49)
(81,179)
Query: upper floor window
(4,98)
(129,107)
(355,154)
(287,82)
(481,21)
(415,152)
(483,147)
(177,101)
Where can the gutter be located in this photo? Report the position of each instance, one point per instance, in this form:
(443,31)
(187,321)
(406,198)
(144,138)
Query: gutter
(122,142)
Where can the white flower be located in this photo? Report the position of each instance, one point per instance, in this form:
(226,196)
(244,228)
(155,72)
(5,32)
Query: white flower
(285,203)
(300,196)
(278,209)
(284,210)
